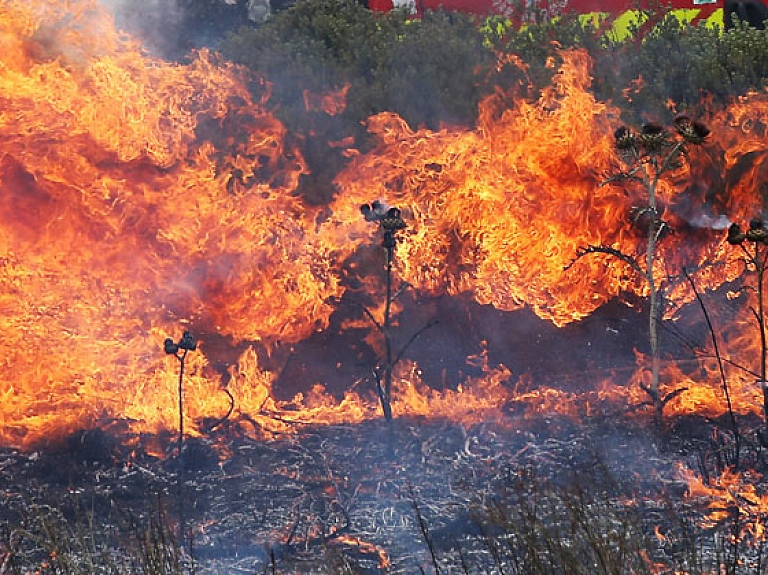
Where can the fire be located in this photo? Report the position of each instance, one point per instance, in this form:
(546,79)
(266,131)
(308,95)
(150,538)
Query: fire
(136,194)
(727,497)
(367,547)
(332,103)
(501,211)
(140,198)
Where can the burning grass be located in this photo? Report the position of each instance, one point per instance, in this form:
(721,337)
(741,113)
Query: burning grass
(140,196)
(549,497)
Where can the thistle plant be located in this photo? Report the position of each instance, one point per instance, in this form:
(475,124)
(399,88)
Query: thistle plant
(391,223)
(754,245)
(179,350)
(648,156)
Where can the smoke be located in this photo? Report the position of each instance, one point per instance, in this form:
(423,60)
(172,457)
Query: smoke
(170,29)
(710,222)
(157,25)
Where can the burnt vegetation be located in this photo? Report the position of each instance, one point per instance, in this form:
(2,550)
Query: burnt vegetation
(541,499)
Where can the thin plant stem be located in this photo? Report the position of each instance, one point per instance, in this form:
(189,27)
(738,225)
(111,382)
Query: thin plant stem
(721,367)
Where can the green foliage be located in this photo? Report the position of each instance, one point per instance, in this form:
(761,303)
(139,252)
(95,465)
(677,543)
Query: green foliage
(422,69)
(317,47)
(659,62)
(672,61)
(682,63)
(425,70)
(430,73)
(437,68)
(539,43)
(313,45)
(735,63)
(662,64)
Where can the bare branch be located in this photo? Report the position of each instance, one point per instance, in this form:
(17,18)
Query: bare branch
(673,394)
(629,260)
(413,338)
(368,313)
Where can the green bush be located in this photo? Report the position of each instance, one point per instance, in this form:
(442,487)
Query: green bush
(540,42)
(664,64)
(437,68)
(682,63)
(425,70)
(735,63)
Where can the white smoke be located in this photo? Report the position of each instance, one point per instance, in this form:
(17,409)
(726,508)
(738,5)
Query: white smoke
(150,24)
(710,222)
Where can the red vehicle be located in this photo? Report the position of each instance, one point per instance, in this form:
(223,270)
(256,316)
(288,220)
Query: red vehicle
(617,13)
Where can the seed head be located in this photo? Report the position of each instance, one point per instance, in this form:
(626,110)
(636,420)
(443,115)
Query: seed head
(692,131)
(625,138)
(170,347)
(374,211)
(392,220)
(735,235)
(653,137)
(188,341)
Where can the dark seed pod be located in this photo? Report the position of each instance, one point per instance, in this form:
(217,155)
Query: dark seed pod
(393,213)
(625,138)
(170,347)
(735,235)
(374,211)
(188,341)
(758,236)
(700,133)
(654,137)
(692,131)
(757,231)
(393,221)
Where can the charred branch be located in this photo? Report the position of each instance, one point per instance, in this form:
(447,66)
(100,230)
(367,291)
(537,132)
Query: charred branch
(391,223)
(602,249)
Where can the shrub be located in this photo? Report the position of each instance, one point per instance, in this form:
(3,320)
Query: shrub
(425,70)
(422,69)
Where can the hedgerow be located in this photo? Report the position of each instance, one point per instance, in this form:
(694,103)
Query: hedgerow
(436,69)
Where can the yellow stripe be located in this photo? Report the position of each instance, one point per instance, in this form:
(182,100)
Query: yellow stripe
(623,23)
(716,19)
(593,19)
(622,26)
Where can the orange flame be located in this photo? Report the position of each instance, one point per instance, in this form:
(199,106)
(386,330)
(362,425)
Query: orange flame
(139,196)
(332,103)
(367,547)
(731,496)
(124,210)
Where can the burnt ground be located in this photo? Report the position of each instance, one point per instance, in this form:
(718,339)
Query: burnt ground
(422,494)
(418,491)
